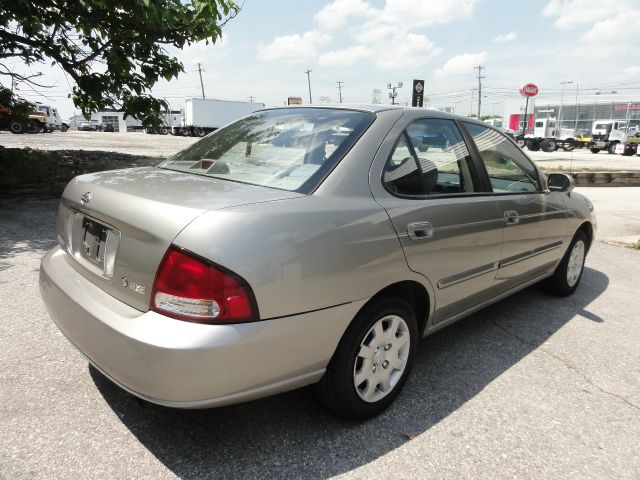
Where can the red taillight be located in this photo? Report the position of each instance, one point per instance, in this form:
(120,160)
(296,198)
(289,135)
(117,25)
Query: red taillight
(190,288)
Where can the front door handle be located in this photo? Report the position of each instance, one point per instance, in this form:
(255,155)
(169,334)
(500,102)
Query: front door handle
(420,231)
(512,217)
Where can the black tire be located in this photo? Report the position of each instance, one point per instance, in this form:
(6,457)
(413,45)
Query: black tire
(64,128)
(595,150)
(337,390)
(164,131)
(17,127)
(559,283)
(32,126)
(533,145)
(520,142)
(569,145)
(611,149)
(548,145)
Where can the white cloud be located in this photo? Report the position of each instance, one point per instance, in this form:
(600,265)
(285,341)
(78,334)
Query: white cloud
(575,13)
(507,37)
(608,34)
(335,14)
(294,47)
(405,50)
(346,56)
(630,72)
(411,13)
(461,64)
(200,51)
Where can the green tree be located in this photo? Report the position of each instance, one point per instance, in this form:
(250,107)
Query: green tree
(114,50)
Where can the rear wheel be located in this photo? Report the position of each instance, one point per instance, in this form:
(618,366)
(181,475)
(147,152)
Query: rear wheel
(569,271)
(568,145)
(533,145)
(549,145)
(372,361)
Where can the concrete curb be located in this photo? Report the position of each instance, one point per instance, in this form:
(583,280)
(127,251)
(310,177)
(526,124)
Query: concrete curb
(607,179)
(628,241)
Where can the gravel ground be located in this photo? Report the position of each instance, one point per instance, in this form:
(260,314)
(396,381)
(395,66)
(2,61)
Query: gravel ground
(131,143)
(531,387)
(163,146)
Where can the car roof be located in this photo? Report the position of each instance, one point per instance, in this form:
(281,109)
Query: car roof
(376,108)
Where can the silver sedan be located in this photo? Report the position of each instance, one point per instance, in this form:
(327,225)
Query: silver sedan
(307,245)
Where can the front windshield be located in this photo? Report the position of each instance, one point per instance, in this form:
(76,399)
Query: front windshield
(289,149)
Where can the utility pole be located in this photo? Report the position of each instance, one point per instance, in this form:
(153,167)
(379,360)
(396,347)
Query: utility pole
(201,84)
(340,90)
(251,98)
(480,77)
(308,72)
(376,96)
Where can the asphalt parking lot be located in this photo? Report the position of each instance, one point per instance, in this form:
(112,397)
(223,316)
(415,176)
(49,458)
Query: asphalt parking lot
(531,387)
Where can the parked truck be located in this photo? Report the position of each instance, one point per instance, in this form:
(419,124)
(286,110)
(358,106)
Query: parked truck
(52,120)
(608,134)
(203,115)
(548,136)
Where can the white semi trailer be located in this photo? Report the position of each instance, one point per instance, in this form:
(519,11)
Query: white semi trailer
(203,115)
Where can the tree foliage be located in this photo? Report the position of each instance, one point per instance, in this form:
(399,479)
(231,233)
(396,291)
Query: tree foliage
(115,51)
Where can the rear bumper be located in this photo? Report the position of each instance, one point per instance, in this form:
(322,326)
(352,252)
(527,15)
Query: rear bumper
(186,365)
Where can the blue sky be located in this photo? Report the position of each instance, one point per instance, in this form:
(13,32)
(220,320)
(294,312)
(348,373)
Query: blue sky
(366,44)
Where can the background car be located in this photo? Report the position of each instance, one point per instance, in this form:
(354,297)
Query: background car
(276,253)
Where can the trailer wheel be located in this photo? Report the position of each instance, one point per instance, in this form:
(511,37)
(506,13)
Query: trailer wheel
(184,131)
(595,150)
(199,132)
(533,145)
(520,142)
(612,148)
(548,145)
(164,131)
(17,127)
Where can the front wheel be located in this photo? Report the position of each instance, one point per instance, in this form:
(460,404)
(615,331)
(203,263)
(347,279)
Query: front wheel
(595,150)
(611,149)
(569,271)
(17,127)
(372,361)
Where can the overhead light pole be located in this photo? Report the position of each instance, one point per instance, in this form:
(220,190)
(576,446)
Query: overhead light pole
(561,103)
(393,93)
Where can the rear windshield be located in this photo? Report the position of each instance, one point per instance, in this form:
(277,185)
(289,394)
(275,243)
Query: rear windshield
(289,149)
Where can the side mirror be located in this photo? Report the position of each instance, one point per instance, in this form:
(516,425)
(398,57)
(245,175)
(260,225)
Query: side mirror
(560,182)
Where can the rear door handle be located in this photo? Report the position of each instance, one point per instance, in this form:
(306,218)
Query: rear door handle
(512,217)
(420,231)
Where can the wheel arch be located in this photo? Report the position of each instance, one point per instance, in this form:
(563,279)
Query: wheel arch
(587,228)
(415,294)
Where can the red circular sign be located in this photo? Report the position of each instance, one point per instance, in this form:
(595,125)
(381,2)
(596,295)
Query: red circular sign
(529,90)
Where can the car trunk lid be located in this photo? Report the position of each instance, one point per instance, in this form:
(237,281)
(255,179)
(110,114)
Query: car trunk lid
(117,225)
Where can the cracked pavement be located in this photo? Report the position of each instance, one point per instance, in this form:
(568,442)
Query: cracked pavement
(532,387)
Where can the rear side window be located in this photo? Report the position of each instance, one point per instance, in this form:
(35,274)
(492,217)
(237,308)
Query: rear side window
(430,158)
(508,168)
